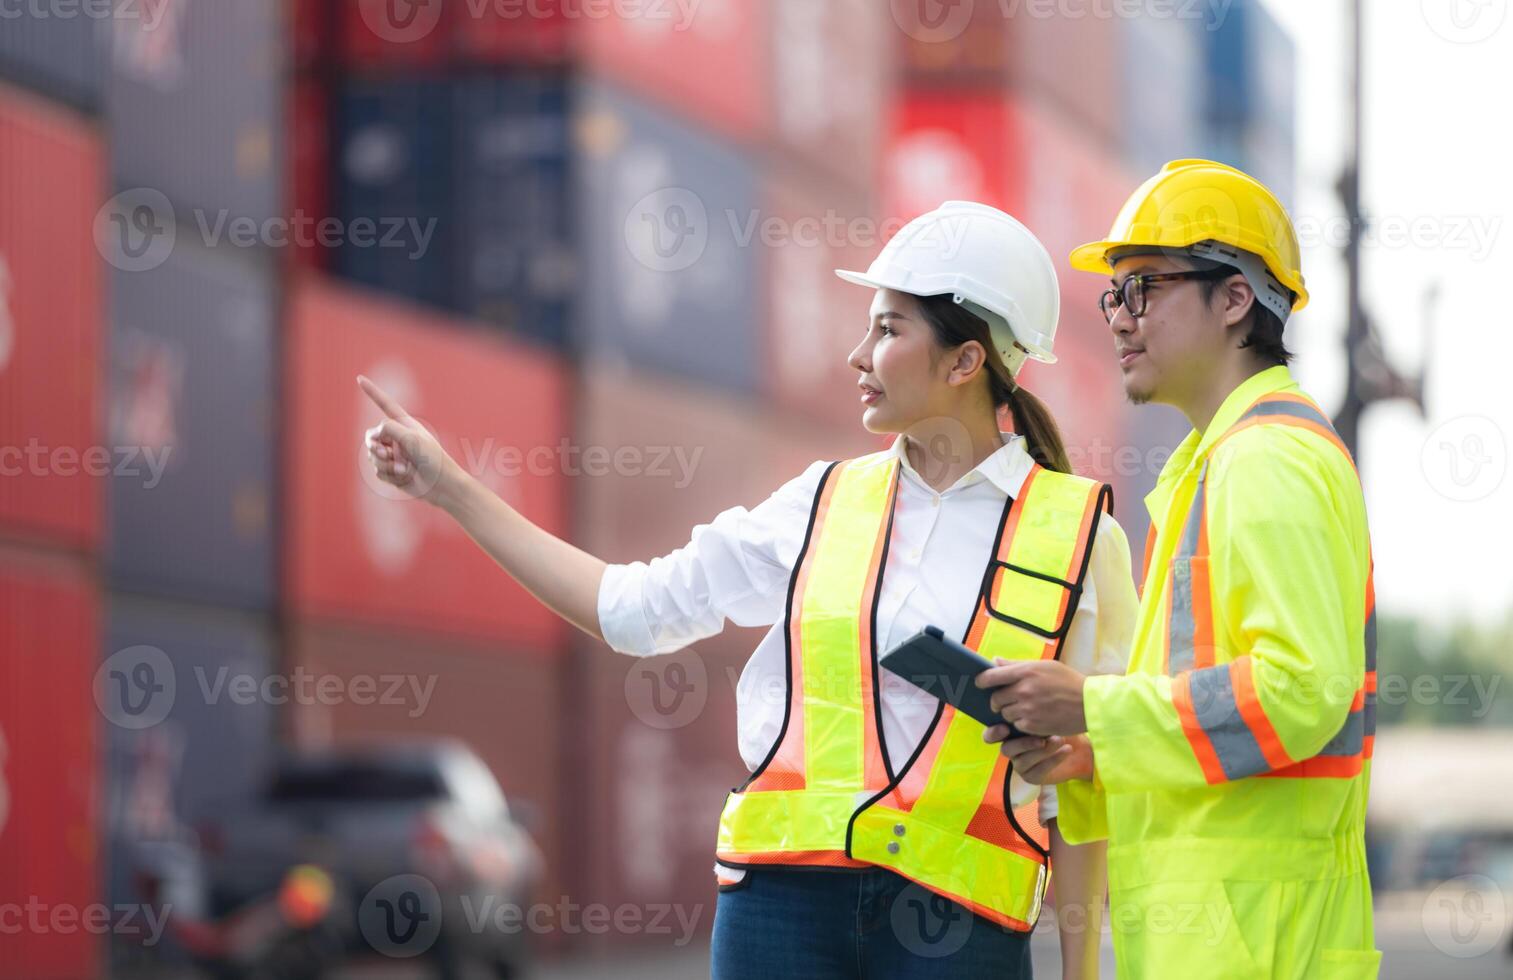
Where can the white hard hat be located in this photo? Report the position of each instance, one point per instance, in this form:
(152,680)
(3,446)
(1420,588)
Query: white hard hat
(988,262)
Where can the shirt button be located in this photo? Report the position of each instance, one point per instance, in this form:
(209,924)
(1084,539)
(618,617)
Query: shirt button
(893,847)
(934,501)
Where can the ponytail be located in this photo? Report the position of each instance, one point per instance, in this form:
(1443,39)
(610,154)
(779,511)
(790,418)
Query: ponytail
(1042,436)
(954,325)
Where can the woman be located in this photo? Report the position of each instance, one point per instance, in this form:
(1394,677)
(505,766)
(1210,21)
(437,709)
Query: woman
(879,835)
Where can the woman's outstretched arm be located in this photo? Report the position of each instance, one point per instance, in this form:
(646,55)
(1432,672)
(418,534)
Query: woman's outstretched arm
(562,576)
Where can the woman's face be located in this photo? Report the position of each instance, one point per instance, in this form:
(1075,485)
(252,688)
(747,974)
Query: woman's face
(898,360)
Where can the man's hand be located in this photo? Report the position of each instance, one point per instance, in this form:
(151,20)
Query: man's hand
(1039,697)
(1045,761)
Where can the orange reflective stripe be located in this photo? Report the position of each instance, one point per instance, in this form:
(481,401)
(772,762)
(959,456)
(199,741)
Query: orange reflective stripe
(1005,540)
(1254,714)
(1202,748)
(1150,552)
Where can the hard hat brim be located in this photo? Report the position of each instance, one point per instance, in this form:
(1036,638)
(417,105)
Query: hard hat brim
(1093,257)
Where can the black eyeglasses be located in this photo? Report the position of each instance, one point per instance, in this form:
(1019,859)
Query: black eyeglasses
(1130,294)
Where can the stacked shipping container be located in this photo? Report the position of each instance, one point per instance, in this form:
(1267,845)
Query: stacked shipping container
(52,462)
(612,240)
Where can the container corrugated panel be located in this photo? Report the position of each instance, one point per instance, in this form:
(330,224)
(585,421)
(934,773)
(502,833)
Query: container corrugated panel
(514,258)
(952,146)
(392,166)
(708,62)
(195,108)
(192,398)
(190,695)
(58,49)
(505,703)
(511,34)
(355,552)
(49,761)
(52,181)
(832,82)
(1169,128)
(668,221)
(989,47)
(308,168)
(813,318)
(384,35)
(312,26)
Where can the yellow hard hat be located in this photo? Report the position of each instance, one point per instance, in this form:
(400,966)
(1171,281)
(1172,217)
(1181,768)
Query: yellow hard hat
(1191,202)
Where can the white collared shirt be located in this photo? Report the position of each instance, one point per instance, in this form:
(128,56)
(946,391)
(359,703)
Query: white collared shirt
(737,567)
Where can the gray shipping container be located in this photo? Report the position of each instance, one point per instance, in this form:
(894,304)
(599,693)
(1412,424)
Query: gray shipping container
(670,233)
(191,408)
(194,106)
(186,737)
(1156,130)
(56,49)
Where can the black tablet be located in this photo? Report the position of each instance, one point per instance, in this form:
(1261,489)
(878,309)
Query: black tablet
(940,666)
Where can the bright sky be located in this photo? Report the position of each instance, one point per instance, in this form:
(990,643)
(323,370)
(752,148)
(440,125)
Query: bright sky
(1438,75)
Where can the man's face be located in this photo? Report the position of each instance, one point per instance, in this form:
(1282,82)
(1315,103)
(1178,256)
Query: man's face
(1165,353)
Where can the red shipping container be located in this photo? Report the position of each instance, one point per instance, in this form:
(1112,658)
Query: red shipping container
(386,34)
(711,63)
(52,175)
(504,704)
(1069,58)
(310,27)
(49,765)
(309,169)
(832,76)
(814,318)
(510,32)
(355,548)
(430,33)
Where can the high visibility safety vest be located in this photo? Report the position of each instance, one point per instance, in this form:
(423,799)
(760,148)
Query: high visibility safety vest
(828,794)
(1234,758)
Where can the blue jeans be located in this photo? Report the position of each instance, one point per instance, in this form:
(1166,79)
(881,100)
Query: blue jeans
(785,923)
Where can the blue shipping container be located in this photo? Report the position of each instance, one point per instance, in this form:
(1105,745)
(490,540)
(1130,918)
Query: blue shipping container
(515,263)
(191,394)
(392,186)
(1170,127)
(195,107)
(56,50)
(671,232)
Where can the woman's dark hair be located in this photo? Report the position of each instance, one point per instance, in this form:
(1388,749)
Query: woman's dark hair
(954,325)
(1265,334)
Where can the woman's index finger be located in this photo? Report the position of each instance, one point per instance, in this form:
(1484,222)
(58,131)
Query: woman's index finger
(387,405)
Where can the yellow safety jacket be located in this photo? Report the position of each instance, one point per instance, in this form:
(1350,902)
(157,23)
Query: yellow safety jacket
(827,793)
(1233,761)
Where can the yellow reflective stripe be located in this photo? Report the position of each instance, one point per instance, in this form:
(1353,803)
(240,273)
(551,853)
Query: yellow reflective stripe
(1046,539)
(951,862)
(960,775)
(828,624)
(785,820)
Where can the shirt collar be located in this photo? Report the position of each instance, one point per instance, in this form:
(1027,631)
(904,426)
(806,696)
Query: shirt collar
(1006,468)
(1196,446)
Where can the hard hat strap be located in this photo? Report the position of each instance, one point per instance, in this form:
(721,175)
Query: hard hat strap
(1012,355)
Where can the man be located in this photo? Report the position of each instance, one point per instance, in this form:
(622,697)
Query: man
(1229,769)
